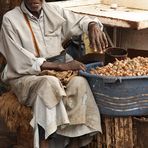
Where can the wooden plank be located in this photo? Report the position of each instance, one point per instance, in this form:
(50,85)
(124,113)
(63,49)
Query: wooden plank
(139,4)
(120,17)
(134,39)
(141,125)
(128,18)
(118,132)
(123,132)
(109,131)
(128,132)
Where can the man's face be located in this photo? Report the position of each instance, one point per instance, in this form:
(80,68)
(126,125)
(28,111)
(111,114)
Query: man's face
(34,5)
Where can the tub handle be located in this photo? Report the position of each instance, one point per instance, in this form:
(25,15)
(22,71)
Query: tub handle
(112,80)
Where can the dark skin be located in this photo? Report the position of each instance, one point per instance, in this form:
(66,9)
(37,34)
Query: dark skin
(34,6)
(97,39)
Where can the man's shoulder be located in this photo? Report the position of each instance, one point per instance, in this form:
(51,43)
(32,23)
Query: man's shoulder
(12,14)
(53,7)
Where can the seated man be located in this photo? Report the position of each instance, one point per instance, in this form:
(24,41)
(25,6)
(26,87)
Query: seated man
(30,34)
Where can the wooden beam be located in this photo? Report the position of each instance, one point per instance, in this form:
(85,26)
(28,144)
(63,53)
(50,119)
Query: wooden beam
(120,17)
(138,4)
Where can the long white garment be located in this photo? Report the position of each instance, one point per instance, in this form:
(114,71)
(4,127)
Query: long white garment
(46,93)
(75,114)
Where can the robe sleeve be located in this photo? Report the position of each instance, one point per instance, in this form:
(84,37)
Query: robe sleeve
(19,60)
(76,24)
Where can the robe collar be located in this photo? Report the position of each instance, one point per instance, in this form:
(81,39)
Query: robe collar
(51,18)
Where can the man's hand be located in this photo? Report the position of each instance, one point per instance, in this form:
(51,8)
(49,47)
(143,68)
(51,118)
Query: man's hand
(97,38)
(72,65)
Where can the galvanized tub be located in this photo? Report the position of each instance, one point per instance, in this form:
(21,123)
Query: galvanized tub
(119,96)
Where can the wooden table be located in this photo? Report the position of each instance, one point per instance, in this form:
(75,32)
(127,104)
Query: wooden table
(119,17)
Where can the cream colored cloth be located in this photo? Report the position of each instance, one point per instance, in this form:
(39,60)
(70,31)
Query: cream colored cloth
(74,114)
(70,112)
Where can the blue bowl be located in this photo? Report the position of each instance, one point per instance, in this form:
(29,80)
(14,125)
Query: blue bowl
(118,96)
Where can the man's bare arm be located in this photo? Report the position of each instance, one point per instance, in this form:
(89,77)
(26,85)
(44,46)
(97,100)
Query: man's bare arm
(72,65)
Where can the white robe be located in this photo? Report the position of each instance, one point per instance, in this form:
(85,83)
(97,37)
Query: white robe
(70,112)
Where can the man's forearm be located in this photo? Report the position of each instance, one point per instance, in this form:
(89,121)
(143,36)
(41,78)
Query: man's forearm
(72,65)
(50,66)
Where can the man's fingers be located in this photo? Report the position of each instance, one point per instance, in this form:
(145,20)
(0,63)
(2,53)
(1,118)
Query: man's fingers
(100,45)
(92,43)
(102,40)
(82,67)
(98,40)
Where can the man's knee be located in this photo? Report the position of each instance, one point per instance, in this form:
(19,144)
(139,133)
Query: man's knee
(76,85)
(48,80)
(78,81)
